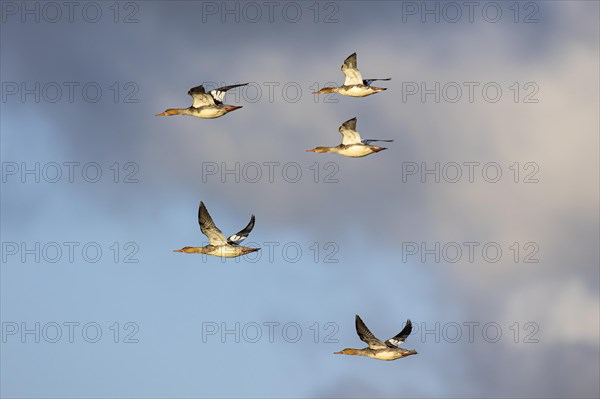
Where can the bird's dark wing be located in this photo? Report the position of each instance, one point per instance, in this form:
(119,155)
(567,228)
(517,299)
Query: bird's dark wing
(367,82)
(208,227)
(400,337)
(241,235)
(367,336)
(369,141)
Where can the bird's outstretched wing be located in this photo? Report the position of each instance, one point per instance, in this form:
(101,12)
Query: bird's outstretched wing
(241,235)
(349,133)
(219,94)
(400,337)
(367,82)
(367,336)
(350,69)
(369,141)
(201,97)
(208,227)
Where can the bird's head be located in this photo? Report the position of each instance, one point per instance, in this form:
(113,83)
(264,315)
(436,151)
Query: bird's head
(170,112)
(319,149)
(325,90)
(346,351)
(189,250)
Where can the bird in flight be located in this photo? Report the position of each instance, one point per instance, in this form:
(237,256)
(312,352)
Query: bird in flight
(352,145)
(388,350)
(206,105)
(354,85)
(218,244)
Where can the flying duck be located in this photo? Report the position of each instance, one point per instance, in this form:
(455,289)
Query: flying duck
(206,105)
(388,350)
(218,244)
(352,145)
(354,85)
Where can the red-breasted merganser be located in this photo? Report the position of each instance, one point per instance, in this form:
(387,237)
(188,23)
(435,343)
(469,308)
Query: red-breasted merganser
(206,105)
(218,244)
(354,85)
(352,145)
(388,350)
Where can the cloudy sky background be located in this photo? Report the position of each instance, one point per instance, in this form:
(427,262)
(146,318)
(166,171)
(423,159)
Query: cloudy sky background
(362,220)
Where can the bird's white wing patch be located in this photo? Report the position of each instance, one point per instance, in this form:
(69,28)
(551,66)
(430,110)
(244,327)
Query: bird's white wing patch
(353,76)
(201,100)
(349,134)
(395,342)
(242,234)
(350,69)
(218,95)
(200,97)
(236,239)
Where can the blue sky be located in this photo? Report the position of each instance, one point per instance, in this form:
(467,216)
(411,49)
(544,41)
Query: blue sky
(364,215)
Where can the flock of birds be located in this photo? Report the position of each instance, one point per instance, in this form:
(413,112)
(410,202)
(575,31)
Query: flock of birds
(208,105)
